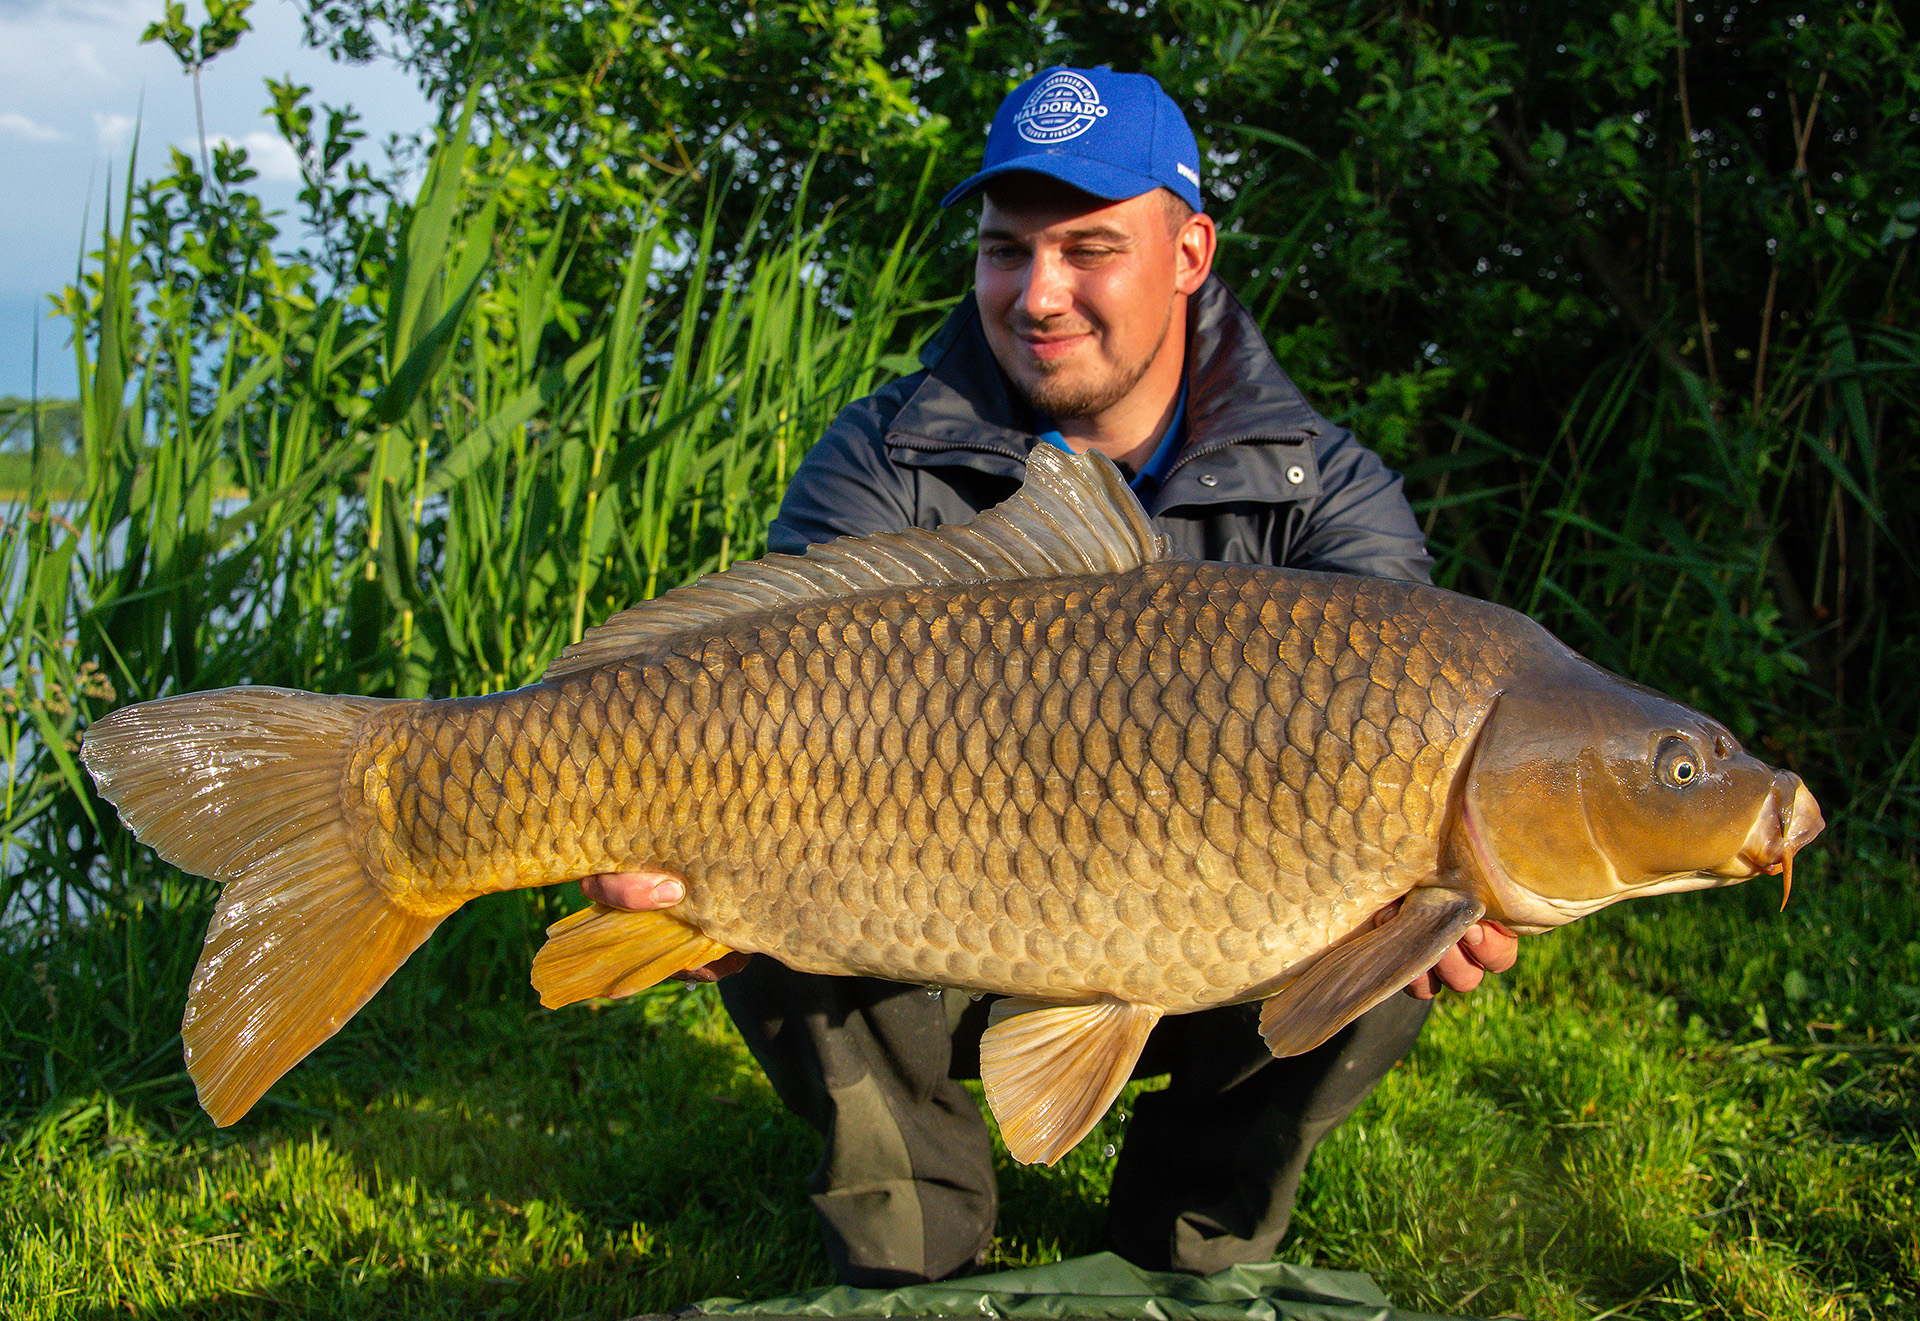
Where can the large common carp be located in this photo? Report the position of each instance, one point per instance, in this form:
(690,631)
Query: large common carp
(1031,755)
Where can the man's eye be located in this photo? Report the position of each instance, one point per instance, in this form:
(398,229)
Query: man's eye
(1089,256)
(1002,255)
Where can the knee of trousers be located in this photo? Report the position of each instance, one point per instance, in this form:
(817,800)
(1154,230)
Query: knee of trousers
(905,1187)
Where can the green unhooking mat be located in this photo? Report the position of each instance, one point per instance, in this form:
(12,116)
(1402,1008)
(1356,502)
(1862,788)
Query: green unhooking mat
(1101,1286)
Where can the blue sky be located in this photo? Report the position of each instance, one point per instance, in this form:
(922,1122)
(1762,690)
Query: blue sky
(75,81)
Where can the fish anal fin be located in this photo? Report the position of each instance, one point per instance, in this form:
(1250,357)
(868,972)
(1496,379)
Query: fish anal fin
(611,952)
(1353,977)
(1051,1070)
(289,957)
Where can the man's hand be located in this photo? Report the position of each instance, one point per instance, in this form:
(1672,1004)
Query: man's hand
(1486,947)
(647,892)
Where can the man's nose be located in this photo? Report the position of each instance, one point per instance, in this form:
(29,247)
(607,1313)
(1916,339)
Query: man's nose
(1048,291)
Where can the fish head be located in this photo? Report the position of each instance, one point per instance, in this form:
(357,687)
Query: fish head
(1590,789)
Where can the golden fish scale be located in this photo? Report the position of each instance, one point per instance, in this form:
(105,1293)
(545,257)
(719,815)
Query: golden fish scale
(1166,785)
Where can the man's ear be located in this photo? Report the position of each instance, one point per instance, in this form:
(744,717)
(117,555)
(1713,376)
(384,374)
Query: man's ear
(1194,247)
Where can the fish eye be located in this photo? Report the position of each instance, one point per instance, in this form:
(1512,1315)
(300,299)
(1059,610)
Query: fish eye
(1677,763)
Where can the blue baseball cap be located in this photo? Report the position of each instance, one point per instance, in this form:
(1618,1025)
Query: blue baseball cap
(1115,135)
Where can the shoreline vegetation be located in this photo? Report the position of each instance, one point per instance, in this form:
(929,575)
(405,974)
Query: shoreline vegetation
(1631,304)
(63,484)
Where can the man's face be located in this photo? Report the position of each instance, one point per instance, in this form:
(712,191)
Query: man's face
(1083,299)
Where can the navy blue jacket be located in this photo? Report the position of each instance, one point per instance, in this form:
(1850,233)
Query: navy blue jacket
(1262,478)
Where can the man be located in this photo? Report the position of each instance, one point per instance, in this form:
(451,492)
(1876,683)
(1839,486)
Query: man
(1095,323)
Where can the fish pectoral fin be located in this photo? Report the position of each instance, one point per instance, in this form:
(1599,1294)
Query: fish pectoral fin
(1051,1070)
(611,952)
(1349,979)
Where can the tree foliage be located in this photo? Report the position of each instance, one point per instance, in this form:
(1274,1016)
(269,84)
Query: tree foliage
(1626,287)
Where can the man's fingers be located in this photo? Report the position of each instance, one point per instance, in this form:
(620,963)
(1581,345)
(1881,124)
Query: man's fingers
(646,892)
(725,966)
(641,891)
(1491,946)
(1456,970)
(1483,948)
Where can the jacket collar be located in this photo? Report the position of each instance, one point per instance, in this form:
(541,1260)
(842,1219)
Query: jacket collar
(1248,426)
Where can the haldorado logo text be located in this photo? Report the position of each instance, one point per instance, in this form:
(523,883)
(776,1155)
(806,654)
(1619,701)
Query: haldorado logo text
(1063,106)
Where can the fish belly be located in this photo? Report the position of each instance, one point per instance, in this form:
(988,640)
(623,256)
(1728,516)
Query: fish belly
(1166,786)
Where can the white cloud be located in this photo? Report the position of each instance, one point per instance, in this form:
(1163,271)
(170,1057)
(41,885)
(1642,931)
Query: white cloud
(70,50)
(268,153)
(16,125)
(113,131)
(86,58)
(84,10)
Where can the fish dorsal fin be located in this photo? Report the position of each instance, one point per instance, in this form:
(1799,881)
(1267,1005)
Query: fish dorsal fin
(1050,1071)
(1354,976)
(1073,515)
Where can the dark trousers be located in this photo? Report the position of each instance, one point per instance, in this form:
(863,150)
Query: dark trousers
(905,1191)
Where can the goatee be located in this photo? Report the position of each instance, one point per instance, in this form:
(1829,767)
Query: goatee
(1061,398)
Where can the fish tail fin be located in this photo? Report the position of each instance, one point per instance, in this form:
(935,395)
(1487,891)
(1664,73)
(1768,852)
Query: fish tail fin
(252,1016)
(601,951)
(245,785)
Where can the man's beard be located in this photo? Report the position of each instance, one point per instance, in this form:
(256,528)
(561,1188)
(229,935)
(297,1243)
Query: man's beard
(1062,398)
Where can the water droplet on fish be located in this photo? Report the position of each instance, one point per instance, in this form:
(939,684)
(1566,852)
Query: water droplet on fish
(1107,1151)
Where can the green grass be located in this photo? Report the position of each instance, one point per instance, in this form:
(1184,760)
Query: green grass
(1691,1107)
(580,1164)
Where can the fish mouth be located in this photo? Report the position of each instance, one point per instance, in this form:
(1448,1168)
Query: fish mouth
(1787,823)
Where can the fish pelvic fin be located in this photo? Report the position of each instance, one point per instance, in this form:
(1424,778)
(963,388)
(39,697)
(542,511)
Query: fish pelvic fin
(1050,1071)
(611,952)
(244,785)
(1353,977)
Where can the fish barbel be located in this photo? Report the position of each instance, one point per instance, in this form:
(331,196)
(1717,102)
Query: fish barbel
(1029,755)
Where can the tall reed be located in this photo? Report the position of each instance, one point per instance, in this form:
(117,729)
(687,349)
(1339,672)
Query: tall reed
(402,488)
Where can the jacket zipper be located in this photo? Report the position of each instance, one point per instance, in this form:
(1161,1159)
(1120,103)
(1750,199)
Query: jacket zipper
(925,446)
(1215,446)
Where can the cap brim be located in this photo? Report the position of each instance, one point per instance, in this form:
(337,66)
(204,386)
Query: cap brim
(1107,182)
